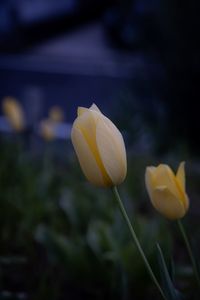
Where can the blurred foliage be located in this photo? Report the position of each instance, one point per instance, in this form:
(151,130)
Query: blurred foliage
(61,237)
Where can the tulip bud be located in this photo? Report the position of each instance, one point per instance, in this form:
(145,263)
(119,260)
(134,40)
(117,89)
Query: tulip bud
(99,147)
(167,190)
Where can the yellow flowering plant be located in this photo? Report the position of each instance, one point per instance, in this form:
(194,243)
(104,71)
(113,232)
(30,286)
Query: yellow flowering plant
(167,190)
(101,152)
(168,195)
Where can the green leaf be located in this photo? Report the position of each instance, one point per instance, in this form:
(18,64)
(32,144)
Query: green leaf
(168,287)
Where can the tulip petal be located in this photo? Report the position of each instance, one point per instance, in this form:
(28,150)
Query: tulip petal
(149,179)
(180,180)
(86,158)
(95,108)
(81,110)
(165,176)
(86,123)
(167,204)
(111,148)
(180,175)
(186,202)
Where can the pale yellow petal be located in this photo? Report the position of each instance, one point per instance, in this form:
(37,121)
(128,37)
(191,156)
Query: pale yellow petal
(186,201)
(180,181)
(81,110)
(180,175)
(86,158)
(95,108)
(165,177)
(112,150)
(167,204)
(86,123)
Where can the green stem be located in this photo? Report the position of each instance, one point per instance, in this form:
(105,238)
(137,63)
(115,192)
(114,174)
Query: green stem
(189,249)
(136,241)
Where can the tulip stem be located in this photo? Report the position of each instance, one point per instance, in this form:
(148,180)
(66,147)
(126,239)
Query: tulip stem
(136,241)
(189,249)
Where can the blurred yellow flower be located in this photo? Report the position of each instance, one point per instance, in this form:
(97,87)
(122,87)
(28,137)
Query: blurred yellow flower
(167,190)
(100,147)
(14,113)
(56,114)
(47,129)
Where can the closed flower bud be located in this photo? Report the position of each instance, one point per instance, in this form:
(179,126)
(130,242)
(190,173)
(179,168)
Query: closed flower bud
(100,147)
(167,190)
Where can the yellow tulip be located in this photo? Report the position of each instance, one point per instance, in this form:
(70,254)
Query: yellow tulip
(99,147)
(14,113)
(167,190)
